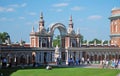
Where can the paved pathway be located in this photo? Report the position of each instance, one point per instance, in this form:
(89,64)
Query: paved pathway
(118,74)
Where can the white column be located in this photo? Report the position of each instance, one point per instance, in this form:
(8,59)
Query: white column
(49,42)
(67,57)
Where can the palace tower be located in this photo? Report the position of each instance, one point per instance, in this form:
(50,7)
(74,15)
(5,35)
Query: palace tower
(115,27)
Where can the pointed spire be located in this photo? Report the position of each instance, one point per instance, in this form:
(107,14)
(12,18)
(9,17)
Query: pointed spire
(41,22)
(41,15)
(70,22)
(33,29)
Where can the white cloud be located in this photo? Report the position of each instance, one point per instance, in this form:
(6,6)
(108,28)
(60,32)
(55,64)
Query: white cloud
(4,9)
(10,9)
(94,17)
(17,5)
(22,18)
(77,8)
(32,13)
(60,5)
(6,19)
(23,5)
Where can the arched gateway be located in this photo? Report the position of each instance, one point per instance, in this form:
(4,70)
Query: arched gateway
(62,29)
(43,39)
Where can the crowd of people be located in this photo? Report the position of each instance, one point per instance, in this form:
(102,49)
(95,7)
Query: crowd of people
(105,63)
(114,63)
(78,61)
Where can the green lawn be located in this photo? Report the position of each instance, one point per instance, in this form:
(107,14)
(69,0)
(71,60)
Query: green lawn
(60,72)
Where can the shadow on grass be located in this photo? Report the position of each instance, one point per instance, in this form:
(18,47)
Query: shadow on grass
(9,71)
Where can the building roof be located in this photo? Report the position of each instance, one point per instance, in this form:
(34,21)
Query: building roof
(114,16)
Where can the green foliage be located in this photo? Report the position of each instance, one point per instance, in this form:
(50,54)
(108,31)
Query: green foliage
(56,41)
(97,41)
(106,42)
(4,36)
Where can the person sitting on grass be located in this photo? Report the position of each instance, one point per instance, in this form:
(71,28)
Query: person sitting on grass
(49,67)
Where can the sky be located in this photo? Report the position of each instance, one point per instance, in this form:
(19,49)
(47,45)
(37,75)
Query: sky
(17,17)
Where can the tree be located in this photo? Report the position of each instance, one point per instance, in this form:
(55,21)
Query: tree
(106,42)
(97,41)
(56,41)
(4,36)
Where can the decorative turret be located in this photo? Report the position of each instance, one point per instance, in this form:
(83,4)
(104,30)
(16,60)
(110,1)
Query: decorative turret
(41,22)
(70,28)
(114,26)
(70,22)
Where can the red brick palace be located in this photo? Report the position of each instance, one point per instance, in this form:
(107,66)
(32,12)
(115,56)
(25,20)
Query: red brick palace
(40,50)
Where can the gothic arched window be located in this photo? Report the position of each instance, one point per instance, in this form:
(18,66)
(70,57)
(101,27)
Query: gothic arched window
(44,43)
(73,43)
